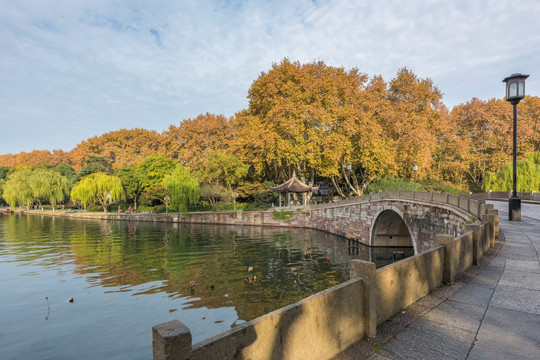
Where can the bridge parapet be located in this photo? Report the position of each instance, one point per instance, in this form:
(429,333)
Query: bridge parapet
(470,204)
(425,214)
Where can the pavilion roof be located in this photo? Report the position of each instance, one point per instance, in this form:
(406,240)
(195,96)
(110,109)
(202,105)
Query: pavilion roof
(294,185)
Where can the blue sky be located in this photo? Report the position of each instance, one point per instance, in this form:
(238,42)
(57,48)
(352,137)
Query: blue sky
(73,69)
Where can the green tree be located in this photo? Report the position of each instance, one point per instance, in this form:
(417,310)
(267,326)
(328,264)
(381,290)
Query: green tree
(93,165)
(2,183)
(4,171)
(67,171)
(528,176)
(213,193)
(133,186)
(182,187)
(98,188)
(151,173)
(226,170)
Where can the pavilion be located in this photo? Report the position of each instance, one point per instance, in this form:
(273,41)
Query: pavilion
(294,186)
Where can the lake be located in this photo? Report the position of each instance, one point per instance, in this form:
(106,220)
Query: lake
(124,277)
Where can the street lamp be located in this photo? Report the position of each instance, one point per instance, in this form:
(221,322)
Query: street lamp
(415,169)
(515,91)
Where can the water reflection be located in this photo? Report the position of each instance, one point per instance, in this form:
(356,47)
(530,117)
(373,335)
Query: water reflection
(180,271)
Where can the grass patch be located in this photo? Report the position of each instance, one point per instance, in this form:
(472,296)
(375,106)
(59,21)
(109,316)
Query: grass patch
(283,215)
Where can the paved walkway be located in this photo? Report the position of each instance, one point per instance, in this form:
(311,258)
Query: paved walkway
(492,312)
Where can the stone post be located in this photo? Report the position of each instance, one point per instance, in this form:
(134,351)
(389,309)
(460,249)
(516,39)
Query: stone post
(171,341)
(495,213)
(477,241)
(491,221)
(449,272)
(366,271)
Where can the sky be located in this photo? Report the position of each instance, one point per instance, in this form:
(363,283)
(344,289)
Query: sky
(74,69)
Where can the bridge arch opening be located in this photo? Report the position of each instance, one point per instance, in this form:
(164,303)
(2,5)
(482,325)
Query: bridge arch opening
(390,230)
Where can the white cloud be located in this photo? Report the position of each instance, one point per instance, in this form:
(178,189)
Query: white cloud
(73,69)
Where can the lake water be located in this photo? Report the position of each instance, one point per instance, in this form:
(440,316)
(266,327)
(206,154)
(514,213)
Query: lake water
(124,277)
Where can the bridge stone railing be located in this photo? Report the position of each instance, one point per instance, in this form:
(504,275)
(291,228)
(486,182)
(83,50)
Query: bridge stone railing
(474,206)
(505,195)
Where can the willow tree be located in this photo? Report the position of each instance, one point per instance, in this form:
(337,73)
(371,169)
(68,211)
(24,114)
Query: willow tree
(47,186)
(98,188)
(183,188)
(16,189)
(528,176)
(57,187)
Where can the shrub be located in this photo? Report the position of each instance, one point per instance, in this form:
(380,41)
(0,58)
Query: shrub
(391,183)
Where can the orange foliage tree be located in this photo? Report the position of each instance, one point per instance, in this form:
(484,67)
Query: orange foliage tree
(193,140)
(122,147)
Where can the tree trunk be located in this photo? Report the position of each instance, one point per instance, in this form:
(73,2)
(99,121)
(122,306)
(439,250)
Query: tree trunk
(336,186)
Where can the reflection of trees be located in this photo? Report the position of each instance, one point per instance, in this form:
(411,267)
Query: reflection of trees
(145,258)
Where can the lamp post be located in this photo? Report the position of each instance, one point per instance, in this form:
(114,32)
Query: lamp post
(515,91)
(415,169)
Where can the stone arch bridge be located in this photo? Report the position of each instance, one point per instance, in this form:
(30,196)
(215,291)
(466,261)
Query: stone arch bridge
(400,218)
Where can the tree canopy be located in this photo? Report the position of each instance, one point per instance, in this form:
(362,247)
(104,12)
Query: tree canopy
(312,119)
(183,188)
(100,188)
(528,176)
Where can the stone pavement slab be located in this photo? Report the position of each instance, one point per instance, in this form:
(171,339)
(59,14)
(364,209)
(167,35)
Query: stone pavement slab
(424,339)
(457,314)
(517,298)
(508,334)
(473,294)
(521,279)
(488,278)
(528,266)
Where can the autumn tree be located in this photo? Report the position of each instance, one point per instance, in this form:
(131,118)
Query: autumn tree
(529,124)
(311,119)
(119,148)
(183,188)
(412,119)
(484,130)
(98,188)
(35,157)
(194,139)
